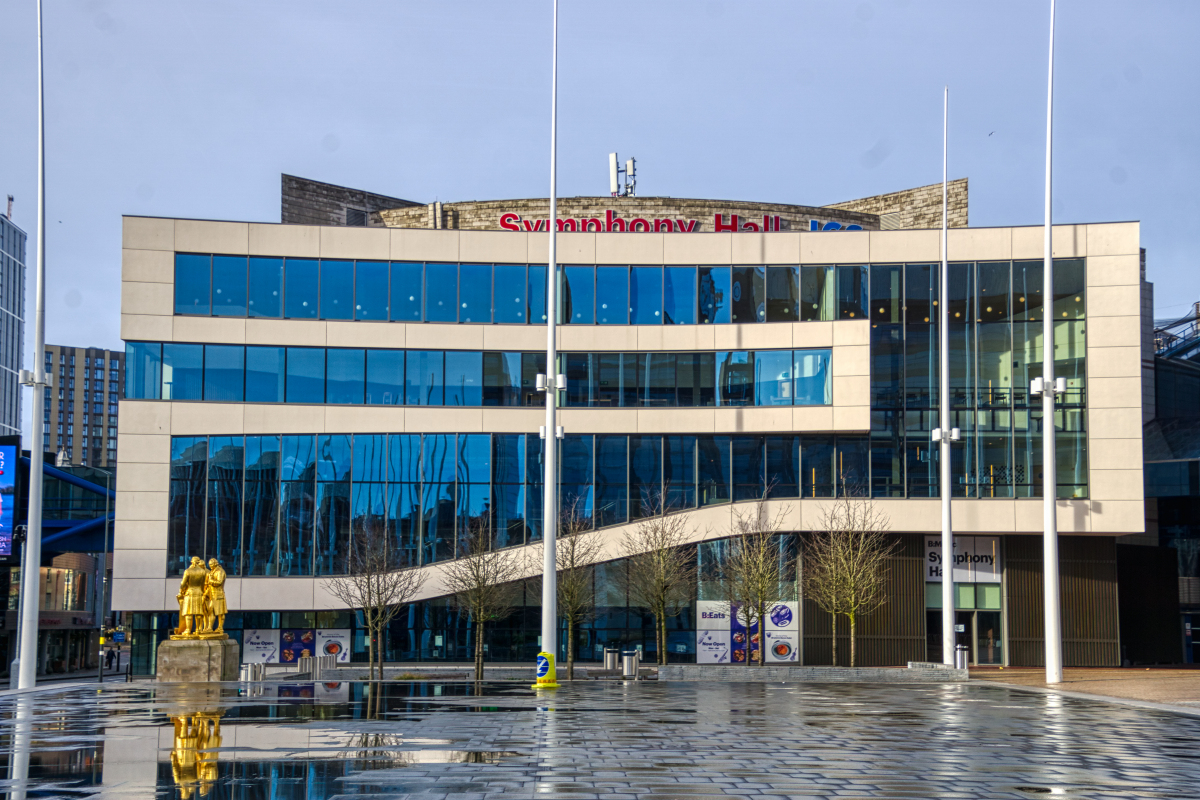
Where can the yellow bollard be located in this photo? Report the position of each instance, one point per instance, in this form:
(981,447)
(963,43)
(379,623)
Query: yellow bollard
(546,674)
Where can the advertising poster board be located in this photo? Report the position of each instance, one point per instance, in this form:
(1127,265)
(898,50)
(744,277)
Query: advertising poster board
(260,646)
(334,642)
(333,692)
(295,643)
(8,496)
(722,637)
(712,647)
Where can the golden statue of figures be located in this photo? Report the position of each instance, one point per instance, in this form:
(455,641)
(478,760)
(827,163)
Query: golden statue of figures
(214,599)
(193,762)
(192,615)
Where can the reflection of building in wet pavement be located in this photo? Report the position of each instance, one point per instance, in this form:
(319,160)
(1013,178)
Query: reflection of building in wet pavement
(193,761)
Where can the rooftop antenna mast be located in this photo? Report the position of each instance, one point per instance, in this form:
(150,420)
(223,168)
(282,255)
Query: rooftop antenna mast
(616,187)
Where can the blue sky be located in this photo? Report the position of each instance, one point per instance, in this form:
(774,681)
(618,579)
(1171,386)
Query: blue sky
(194,110)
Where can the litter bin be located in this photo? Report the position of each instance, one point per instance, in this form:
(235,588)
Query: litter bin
(629,664)
(961,656)
(611,656)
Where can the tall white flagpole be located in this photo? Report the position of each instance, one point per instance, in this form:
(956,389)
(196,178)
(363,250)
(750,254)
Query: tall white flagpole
(944,455)
(30,583)
(1054,669)
(550,480)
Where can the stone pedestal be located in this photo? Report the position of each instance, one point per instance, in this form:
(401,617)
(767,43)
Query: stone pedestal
(198,660)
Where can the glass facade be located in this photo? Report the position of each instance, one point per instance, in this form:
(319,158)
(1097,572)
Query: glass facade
(513,294)
(290,504)
(356,376)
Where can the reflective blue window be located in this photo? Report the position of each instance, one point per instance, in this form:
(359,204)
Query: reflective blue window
(193,283)
(578,295)
(679,472)
(298,459)
(344,376)
(224,372)
(423,384)
(646,296)
(260,508)
(817,466)
(852,288)
(474,502)
(437,522)
(143,370)
(537,294)
(371,290)
(438,457)
(748,294)
(576,460)
(404,458)
(441,292)
(853,468)
(645,475)
(266,287)
(332,535)
(612,295)
(404,524)
(407,291)
(385,377)
(783,294)
(747,462)
(714,295)
(510,293)
(464,378)
(660,379)
(474,458)
(508,454)
(612,480)
(182,372)
(502,379)
(337,289)
(773,385)
(509,527)
(679,295)
(370,457)
(229,286)
(735,378)
(185,503)
(301,277)
(333,457)
(712,469)
(783,466)
(297,504)
(475,293)
(306,375)
(814,385)
(264,374)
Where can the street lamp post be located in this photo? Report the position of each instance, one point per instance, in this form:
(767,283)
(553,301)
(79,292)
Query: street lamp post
(103,573)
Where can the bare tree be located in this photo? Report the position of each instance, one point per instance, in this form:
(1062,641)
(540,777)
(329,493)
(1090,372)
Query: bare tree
(576,551)
(755,569)
(845,562)
(483,580)
(661,573)
(374,584)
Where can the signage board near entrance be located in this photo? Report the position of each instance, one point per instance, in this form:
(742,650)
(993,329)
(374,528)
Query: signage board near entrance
(977,559)
(8,496)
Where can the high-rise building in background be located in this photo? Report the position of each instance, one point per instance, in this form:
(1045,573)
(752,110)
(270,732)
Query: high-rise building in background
(80,410)
(12,321)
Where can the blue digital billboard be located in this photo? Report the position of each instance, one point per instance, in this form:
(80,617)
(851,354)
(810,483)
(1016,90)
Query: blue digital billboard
(8,496)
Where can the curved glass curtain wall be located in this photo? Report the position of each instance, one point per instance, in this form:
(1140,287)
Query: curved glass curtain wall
(361,376)
(513,294)
(291,504)
(996,324)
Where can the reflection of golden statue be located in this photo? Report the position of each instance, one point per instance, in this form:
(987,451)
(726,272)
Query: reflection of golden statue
(192,616)
(214,599)
(192,761)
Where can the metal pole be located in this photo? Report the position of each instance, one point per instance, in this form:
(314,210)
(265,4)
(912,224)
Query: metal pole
(1054,672)
(33,539)
(103,576)
(550,480)
(14,669)
(944,454)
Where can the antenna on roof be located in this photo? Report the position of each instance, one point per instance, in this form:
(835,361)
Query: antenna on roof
(615,186)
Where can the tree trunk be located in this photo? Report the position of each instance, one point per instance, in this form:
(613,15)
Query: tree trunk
(762,634)
(370,652)
(570,651)
(853,623)
(478,649)
(661,644)
(835,640)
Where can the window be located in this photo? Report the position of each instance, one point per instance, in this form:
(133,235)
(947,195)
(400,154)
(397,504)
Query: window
(423,384)
(501,379)
(817,299)
(646,295)
(224,372)
(537,293)
(305,375)
(385,377)
(301,277)
(679,295)
(229,286)
(337,289)
(814,385)
(464,378)
(441,292)
(612,295)
(266,287)
(371,290)
(578,298)
(714,295)
(182,371)
(783,294)
(406,291)
(193,279)
(510,293)
(749,294)
(773,384)
(475,293)
(852,292)
(345,376)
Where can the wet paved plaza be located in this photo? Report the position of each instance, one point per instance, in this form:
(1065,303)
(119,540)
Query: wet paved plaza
(648,741)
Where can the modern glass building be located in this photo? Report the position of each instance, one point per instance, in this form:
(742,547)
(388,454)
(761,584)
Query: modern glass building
(12,323)
(287,386)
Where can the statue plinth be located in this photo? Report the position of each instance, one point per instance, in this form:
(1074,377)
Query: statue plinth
(198,660)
